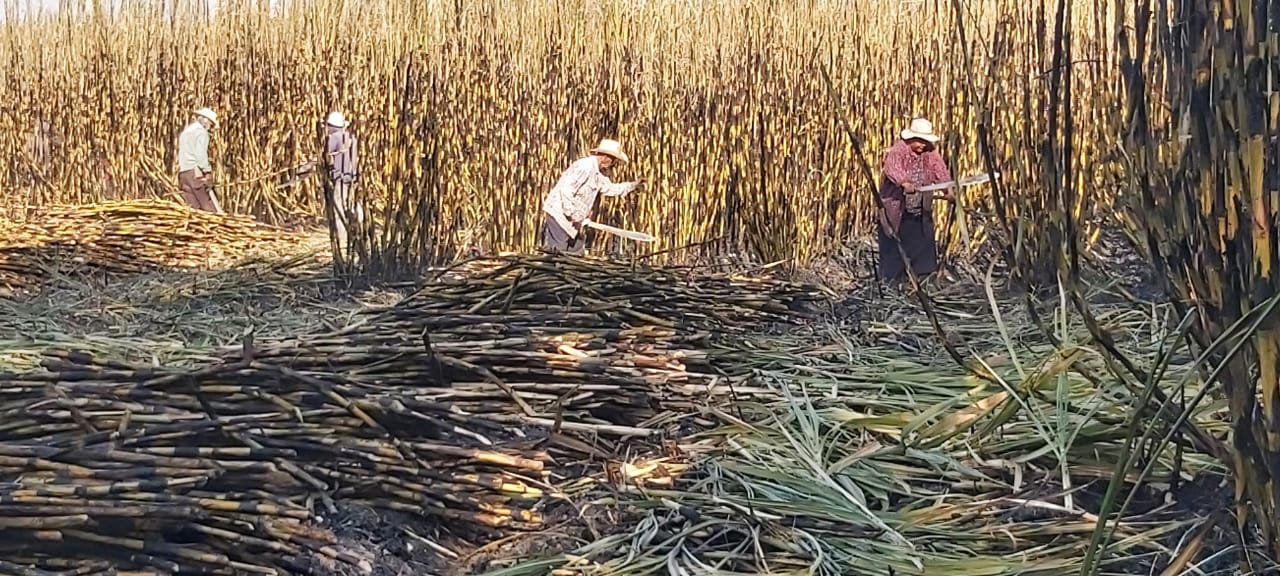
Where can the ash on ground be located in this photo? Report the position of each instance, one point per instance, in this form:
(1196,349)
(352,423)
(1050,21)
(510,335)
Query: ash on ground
(392,542)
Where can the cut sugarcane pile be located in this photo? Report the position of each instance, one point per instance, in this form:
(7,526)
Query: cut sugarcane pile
(207,470)
(605,343)
(446,405)
(122,237)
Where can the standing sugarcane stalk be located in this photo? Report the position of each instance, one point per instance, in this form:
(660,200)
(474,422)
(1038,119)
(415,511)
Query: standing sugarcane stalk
(1213,231)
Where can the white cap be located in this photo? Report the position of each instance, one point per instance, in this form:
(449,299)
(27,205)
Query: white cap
(336,120)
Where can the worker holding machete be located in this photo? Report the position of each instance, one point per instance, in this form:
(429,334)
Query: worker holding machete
(569,203)
(911,164)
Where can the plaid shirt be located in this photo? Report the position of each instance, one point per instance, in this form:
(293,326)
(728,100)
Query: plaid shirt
(570,201)
(902,166)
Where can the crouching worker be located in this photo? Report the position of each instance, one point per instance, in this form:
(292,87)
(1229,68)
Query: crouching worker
(569,203)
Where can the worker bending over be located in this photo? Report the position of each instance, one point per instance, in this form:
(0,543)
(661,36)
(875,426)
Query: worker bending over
(569,203)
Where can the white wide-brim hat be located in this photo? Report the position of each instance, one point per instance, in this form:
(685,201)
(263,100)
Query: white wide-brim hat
(207,112)
(921,129)
(610,148)
(337,120)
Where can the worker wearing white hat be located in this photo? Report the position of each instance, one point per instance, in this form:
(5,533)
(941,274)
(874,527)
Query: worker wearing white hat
(341,153)
(569,203)
(195,175)
(907,219)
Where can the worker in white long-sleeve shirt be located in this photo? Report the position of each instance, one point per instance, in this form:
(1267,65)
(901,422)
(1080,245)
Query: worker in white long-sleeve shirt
(195,175)
(569,203)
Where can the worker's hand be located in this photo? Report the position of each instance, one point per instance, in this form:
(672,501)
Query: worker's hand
(909,187)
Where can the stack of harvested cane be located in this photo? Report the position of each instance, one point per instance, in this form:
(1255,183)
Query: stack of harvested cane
(445,405)
(210,470)
(121,237)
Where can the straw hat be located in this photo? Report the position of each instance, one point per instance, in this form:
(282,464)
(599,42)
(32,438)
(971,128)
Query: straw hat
(206,112)
(610,148)
(922,129)
(337,120)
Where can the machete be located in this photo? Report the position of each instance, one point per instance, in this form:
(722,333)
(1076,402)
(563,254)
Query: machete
(628,234)
(966,181)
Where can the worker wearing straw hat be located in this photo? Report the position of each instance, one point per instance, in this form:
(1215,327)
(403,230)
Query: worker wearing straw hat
(194,172)
(569,203)
(341,152)
(907,218)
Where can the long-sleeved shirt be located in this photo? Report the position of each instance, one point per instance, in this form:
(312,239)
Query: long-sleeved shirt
(570,201)
(903,165)
(193,148)
(343,157)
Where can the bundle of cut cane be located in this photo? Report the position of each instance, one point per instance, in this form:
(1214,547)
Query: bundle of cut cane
(598,347)
(441,405)
(214,470)
(122,237)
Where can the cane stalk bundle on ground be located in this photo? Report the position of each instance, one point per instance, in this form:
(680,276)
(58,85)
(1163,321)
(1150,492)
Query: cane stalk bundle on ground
(445,405)
(588,345)
(217,468)
(124,237)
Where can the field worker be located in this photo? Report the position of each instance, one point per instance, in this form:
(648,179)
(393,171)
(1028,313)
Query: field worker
(570,202)
(907,218)
(195,176)
(341,152)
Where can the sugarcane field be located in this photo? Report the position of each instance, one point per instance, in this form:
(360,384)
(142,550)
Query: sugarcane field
(631,287)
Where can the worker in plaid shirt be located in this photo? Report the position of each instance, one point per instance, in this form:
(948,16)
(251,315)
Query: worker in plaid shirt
(907,218)
(569,203)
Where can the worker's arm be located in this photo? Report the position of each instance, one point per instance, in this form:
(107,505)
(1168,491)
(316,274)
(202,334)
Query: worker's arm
(202,152)
(895,168)
(353,158)
(611,188)
(938,172)
(891,215)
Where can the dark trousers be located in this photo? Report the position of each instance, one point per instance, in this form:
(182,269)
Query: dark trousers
(347,214)
(195,190)
(916,235)
(556,240)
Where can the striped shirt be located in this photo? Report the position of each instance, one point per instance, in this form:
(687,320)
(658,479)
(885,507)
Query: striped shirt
(572,198)
(193,148)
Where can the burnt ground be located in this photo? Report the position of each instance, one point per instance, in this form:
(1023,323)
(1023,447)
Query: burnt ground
(409,545)
(402,544)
